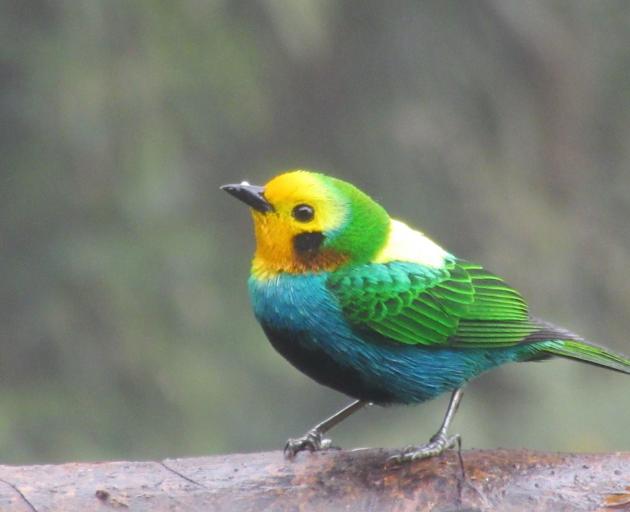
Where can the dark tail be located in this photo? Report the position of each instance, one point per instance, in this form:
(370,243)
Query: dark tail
(560,342)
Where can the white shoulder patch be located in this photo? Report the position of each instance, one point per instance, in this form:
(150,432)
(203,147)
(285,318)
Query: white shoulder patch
(406,244)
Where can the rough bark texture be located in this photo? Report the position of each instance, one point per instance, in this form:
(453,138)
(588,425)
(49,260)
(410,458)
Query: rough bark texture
(342,480)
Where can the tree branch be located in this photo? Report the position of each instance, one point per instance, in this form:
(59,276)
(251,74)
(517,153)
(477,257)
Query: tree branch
(338,480)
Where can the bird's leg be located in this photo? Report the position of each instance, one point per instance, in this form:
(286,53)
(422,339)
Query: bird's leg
(441,441)
(314,439)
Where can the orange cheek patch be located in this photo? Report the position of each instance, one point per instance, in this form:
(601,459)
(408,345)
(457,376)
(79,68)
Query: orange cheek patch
(324,260)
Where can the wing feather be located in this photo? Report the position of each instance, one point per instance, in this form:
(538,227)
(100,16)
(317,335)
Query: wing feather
(461,304)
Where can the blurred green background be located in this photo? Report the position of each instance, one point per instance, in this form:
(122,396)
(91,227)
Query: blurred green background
(499,127)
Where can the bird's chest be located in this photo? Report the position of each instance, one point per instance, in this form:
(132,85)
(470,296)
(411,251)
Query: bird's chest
(304,323)
(292,303)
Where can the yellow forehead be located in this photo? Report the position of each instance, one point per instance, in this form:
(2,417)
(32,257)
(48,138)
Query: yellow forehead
(290,189)
(294,186)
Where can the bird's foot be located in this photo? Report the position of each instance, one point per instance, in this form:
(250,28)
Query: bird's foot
(313,441)
(438,444)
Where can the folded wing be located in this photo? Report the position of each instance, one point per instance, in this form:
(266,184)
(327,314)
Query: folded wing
(460,304)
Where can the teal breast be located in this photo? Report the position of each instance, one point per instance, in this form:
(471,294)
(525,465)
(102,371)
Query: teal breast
(304,323)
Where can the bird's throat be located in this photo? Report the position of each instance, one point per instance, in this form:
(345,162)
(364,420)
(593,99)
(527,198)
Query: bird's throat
(265,267)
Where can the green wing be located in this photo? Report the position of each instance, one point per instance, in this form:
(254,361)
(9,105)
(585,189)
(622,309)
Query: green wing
(460,304)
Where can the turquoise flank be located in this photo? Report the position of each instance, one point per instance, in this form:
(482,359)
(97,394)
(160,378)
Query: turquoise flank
(304,322)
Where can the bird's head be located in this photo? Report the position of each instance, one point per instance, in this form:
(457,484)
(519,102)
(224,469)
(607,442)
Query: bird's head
(307,222)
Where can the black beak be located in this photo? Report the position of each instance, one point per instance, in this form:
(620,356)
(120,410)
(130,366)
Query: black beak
(251,195)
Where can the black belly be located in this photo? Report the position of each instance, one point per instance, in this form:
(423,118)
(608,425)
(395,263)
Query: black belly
(319,366)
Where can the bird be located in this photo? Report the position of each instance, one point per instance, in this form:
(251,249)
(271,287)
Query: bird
(370,307)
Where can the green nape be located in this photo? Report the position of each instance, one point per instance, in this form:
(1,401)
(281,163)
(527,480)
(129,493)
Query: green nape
(366,229)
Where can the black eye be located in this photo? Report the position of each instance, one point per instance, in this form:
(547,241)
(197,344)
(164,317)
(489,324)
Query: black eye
(303,213)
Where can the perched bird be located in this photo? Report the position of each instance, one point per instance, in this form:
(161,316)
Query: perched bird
(370,307)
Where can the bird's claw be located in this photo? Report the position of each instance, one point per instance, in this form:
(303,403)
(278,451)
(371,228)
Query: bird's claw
(438,444)
(313,441)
